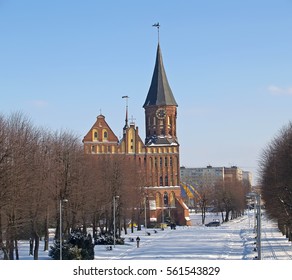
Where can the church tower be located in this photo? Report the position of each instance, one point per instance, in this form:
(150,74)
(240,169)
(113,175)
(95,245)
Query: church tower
(163,168)
(160,107)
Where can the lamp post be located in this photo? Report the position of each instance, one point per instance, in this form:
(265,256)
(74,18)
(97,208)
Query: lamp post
(114,210)
(257,202)
(145,212)
(61,235)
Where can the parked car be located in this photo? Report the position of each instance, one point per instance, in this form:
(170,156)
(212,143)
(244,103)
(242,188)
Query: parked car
(213,224)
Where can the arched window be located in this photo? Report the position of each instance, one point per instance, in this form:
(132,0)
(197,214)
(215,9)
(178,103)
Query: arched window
(160,181)
(94,135)
(158,199)
(166,180)
(172,199)
(165,199)
(104,135)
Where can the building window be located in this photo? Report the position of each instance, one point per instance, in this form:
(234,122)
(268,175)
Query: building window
(161,181)
(160,161)
(172,199)
(166,180)
(95,135)
(158,199)
(165,161)
(165,199)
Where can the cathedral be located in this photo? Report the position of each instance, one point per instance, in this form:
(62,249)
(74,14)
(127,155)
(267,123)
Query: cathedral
(159,153)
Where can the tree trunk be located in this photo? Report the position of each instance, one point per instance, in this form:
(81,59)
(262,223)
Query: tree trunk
(125,226)
(36,246)
(46,237)
(31,241)
(227,216)
(16,249)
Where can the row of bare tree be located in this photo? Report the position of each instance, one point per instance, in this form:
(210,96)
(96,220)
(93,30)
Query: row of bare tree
(276,179)
(40,168)
(226,196)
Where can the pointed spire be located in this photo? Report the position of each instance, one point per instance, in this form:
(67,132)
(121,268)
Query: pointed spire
(159,93)
(126,119)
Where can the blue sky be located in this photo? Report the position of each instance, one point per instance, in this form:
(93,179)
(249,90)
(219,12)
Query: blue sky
(228,63)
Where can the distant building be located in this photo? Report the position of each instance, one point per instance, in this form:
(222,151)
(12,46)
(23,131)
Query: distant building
(247,175)
(233,173)
(202,175)
(196,179)
(158,155)
(209,174)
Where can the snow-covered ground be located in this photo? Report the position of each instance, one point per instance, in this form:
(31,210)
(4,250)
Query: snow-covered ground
(230,241)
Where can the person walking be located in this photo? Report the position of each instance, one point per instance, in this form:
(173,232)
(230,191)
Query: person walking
(138,241)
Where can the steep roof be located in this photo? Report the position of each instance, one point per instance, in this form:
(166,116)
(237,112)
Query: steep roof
(100,125)
(159,93)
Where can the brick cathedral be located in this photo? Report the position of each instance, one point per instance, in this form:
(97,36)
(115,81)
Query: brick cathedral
(159,153)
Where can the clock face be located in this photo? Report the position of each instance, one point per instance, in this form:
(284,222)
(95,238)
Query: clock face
(161,113)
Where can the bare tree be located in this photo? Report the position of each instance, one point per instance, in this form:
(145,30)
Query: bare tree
(276,179)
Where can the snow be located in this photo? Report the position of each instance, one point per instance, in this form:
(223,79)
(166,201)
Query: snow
(233,240)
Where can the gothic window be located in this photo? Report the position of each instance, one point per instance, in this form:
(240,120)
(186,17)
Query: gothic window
(160,181)
(158,199)
(172,199)
(104,135)
(160,159)
(165,161)
(165,199)
(166,180)
(95,135)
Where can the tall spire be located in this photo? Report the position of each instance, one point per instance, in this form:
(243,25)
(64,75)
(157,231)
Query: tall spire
(126,119)
(159,93)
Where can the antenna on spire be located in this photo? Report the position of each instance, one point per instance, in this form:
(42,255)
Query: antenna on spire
(126,120)
(157,25)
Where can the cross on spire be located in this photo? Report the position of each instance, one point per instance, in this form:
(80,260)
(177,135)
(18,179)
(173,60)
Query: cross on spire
(132,120)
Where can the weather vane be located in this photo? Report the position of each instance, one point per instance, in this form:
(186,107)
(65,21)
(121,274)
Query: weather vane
(157,25)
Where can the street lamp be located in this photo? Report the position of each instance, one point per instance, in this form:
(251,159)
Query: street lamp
(145,212)
(61,238)
(114,206)
(257,202)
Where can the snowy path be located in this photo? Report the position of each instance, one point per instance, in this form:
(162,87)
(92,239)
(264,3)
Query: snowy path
(233,241)
(273,244)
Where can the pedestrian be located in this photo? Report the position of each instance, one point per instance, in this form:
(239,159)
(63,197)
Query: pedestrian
(138,241)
